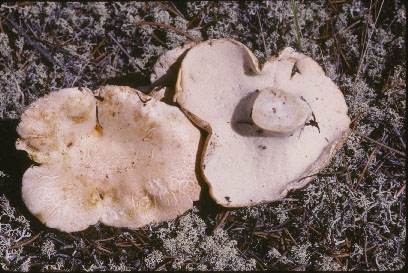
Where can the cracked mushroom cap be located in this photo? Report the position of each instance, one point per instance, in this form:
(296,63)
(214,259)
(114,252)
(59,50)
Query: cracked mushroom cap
(121,158)
(269,130)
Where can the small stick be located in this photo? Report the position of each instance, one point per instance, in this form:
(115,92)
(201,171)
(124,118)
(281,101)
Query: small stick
(20,5)
(365,167)
(347,171)
(35,237)
(261,234)
(154,36)
(159,268)
(122,48)
(221,221)
(198,14)
(123,245)
(351,26)
(399,135)
(166,26)
(339,48)
(336,258)
(386,82)
(260,263)
(318,38)
(308,234)
(106,57)
(37,46)
(97,47)
(355,121)
(282,242)
(291,237)
(296,25)
(177,10)
(400,191)
(1,28)
(330,195)
(107,239)
(199,24)
(139,237)
(371,247)
(365,251)
(262,34)
(341,255)
(375,231)
(311,226)
(134,244)
(103,249)
(275,236)
(380,144)
(280,258)
(366,45)
(170,9)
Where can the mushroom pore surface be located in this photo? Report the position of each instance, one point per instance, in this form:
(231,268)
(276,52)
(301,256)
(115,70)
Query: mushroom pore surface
(220,82)
(121,158)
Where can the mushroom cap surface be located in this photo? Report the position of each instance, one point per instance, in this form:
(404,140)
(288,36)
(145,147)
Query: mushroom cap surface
(217,86)
(123,159)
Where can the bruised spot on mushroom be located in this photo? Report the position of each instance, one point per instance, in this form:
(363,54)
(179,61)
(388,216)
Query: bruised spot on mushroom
(103,177)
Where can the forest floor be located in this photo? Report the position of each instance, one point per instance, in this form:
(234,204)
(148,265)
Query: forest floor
(350,217)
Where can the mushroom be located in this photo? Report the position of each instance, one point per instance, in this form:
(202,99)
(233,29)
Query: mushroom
(269,130)
(279,112)
(165,72)
(120,157)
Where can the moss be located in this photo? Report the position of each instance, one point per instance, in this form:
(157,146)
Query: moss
(366,58)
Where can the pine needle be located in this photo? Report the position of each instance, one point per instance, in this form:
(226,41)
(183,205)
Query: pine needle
(296,25)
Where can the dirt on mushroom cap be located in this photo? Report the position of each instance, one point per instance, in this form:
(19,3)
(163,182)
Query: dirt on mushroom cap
(124,159)
(217,83)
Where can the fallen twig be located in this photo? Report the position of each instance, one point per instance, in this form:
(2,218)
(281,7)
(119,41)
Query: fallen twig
(221,221)
(122,48)
(97,47)
(262,35)
(166,26)
(381,145)
(400,191)
(174,11)
(134,244)
(365,167)
(32,239)
(154,36)
(199,14)
(367,43)
(347,171)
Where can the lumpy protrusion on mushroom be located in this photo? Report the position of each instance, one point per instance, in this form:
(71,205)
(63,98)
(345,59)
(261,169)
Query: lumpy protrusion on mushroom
(277,111)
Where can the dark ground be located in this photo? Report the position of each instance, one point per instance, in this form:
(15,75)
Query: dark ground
(351,217)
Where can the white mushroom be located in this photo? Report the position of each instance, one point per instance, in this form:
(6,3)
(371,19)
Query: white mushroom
(220,82)
(121,158)
(165,72)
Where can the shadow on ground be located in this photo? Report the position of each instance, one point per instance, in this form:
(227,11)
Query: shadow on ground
(14,163)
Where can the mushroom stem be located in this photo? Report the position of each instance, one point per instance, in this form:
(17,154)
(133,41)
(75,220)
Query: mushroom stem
(277,111)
